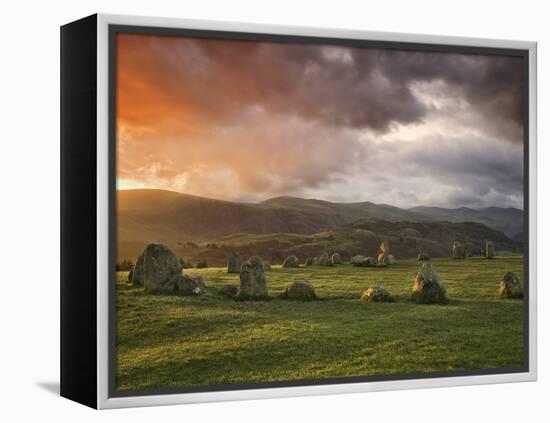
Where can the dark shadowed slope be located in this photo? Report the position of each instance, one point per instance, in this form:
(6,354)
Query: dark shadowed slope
(169,217)
(507,220)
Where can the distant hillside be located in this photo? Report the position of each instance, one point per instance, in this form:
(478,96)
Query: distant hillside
(507,220)
(163,216)
(406,239)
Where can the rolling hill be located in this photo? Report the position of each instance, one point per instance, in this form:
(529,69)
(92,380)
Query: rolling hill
(174,218)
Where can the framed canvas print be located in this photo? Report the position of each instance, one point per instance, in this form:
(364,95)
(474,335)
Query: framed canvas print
(254,211)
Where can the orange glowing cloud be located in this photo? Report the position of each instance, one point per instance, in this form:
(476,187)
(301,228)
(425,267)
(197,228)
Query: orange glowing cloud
(246,120)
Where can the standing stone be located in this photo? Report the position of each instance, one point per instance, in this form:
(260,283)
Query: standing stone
(427,287)
(390,259)
(253,284)
(308,262)
(336,258)
(490,250)
(423,257)
(156,269)
(138,272)
(458,251)
(315,261)
(130,274)
(510,286)
(234,263)
(299,290)
(291,261)
(324,260)
(383,251)
(377,294)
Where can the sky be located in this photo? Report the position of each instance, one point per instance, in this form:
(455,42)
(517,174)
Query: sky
(247,121)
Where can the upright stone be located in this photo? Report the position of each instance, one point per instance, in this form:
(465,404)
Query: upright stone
(324,259)
(336,258)
(308,262)
(291,261)
(383,251)
(234,263)
(253,284)
(156,269)
(490,250)
(138,272)
(458,251)
(510,286)
(427,287)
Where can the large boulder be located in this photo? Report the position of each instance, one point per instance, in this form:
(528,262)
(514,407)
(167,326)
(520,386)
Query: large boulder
(234,263)
(336,258)
(299,290)
(186,285)
(253,284)
(428,288)
(510,286)
(362,261)
(390,259)
(459,252)
(377,294)
(291,261)
(156,269)
(490,250)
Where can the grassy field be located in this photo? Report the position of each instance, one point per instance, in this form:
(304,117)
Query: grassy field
(176,342)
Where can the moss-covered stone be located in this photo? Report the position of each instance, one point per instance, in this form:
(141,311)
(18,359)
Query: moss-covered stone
(377,294)
(234,263)
(299,290)
(291,261)
(510,286)
(253,283)
(428,288)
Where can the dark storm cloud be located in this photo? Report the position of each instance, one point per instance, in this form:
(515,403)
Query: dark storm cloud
(351,87)
(454,171)
(253,120)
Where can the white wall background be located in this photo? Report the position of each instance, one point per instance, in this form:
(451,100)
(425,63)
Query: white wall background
(29,224)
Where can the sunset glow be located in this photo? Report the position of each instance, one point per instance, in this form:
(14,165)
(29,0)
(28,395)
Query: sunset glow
(246,121)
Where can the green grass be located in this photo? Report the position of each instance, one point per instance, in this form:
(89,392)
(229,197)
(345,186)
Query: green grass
(177,342)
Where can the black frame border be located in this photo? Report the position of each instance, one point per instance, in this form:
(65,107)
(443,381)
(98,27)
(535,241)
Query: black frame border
(114,29)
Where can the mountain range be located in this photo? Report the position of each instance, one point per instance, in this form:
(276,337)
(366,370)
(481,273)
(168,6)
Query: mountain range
(147,215)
